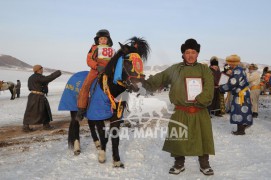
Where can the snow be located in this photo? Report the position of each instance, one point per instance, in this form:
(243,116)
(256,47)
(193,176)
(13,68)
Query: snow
(237,157)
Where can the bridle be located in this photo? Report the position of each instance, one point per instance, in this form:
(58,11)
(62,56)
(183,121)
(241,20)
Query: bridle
(128,81)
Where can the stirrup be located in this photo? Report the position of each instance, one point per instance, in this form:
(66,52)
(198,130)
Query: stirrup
(207,171)
(80,114)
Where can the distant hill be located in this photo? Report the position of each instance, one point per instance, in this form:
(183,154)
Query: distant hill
(9,62)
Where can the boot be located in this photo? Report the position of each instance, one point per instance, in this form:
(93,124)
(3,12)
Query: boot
(240,130)
(178,165)
(47,126)
(80,114)
(26,128)
(205,167)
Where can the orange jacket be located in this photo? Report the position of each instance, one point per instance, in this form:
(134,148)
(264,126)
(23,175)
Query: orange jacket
(92,58)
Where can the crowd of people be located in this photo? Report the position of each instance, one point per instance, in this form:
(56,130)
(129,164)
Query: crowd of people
(197,91)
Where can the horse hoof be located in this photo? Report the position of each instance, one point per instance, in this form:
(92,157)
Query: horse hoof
(76,153)
(118,164)
(76,150)
(101,156)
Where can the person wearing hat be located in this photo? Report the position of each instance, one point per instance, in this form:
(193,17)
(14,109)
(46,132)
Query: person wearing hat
(254,79)
(98,57)
(38,109)
(192,90)
(215,107)
(18,88)
(238,86)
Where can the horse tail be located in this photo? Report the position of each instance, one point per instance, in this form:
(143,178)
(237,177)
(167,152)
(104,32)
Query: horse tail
(74,130)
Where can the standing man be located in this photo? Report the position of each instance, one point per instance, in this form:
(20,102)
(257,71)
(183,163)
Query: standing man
(38,109)
(215,108)
(18,88)
(237,85)
(192,89)
(254,79)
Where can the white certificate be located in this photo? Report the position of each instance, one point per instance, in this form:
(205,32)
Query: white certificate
(193,88)
(223,79)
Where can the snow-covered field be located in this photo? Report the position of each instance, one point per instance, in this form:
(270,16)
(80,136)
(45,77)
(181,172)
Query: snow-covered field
(237,157)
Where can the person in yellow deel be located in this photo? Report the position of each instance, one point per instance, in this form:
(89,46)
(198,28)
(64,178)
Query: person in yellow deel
(191,114)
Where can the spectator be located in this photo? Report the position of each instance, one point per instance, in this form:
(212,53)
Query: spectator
(18,88)
(38,109)
(241,113)
(254,79)
(215,106)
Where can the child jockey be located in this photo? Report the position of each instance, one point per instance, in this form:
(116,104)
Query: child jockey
(98,56)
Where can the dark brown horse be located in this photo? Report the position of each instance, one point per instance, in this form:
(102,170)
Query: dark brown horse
(132,55)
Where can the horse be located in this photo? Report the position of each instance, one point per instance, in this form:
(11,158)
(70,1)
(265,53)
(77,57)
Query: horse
(8,86)
(122,73)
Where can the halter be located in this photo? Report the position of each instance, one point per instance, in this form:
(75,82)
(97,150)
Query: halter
(137,67)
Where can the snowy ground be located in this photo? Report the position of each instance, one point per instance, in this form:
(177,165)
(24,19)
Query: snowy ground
(237,157)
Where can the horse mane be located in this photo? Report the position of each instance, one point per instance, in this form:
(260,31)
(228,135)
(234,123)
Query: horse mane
(134,45)
(140,46)
(110,67)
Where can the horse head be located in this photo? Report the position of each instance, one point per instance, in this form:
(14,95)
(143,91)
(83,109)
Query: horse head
(129,60)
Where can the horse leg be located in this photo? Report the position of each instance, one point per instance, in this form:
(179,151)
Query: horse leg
(115,130)
(94,136)
(103,138)
(12,93)
(73,135)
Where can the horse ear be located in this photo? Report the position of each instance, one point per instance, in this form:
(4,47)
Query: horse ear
(121,45)
(124,48)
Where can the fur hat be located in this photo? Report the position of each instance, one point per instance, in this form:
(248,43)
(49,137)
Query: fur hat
(214,61)
(103,33)
(253,66)
(37,67)
(233,59)
(190,44)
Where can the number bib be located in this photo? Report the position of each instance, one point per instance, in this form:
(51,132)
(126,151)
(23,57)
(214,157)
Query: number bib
(105,52)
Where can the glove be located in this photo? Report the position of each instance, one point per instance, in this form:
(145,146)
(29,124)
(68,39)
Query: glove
(100,69)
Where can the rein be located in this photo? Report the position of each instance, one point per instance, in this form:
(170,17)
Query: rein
(128,82)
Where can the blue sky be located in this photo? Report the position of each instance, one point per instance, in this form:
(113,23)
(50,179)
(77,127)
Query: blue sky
(58,33)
